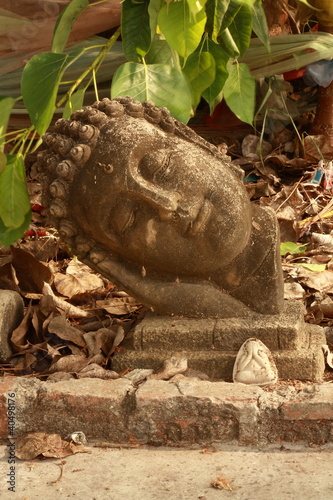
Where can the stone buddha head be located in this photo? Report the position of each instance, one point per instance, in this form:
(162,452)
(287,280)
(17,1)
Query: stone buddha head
(125,180)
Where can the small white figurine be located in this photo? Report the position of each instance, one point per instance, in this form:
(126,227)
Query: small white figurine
(254,364)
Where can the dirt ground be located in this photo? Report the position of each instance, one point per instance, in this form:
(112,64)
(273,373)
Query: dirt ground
(283,473)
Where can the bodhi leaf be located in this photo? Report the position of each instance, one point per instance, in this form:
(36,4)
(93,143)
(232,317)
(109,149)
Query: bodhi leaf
(200,72)
(161,52)
(6,104)
(135,29)
(215,10)
(14,199)
(160,83)
(75,102)
(196,5)
(40,81)
(65,22)
(9,235)
(182,29)
(292,248)
(239,92)
(238,20)
(213,93)
(259,24)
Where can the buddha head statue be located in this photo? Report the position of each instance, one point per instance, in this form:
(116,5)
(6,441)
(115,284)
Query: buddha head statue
(127,184)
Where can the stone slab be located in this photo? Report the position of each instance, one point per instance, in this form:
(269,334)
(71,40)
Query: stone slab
(11,315)
(305,363)
(178,412)
(283,331)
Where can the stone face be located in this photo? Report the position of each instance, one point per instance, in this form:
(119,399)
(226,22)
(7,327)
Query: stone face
(162,213)
(11,315)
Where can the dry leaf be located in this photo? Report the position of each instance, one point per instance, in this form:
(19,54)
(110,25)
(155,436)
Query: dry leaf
(69,309)
(170,368)
(33,444)
(18,336)
(72,363)
(118,305)
(321,281)
(95,371)
(221,483)
(78,279)
(65,331)
(30,273)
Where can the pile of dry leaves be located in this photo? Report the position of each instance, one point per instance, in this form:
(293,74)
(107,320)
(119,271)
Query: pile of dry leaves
(74,320)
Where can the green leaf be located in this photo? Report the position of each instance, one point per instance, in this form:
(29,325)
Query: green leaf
(182,30)
(213,93)
(246,2)
(292,248)
(74,102)
(318,268)
(6,104)
(196,5)
(153,10)
(160,83)
(240,28)
(14,199)
(259,24)
(65,22)
(228,44)
(9,235)
(200,72)
(239,92)
(40,81)
(161,52)
(215,11)
(135,29)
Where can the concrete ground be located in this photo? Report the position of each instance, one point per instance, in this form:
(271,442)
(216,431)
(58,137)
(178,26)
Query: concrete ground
(289,472)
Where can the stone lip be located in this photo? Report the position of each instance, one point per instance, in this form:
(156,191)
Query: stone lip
(178,412)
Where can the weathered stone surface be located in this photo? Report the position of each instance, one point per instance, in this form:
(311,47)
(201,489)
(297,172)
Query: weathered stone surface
(11,315)
(152,206)
(284,331)
(188,412)
(178,412)
(295,345)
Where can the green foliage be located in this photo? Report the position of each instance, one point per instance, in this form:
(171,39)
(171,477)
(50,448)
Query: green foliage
(239,92)
(65,23)
(14,200)
(6,104)
(136,29)
(40,82)
(157,83)
(292,248)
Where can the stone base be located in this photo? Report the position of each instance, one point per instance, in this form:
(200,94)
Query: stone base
(211,345)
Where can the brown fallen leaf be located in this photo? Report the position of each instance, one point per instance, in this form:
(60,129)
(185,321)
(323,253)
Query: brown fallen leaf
(33,444)
(118,305)
(18,337)
(30,272)
(170,368)
(221,483)
(65,331)
(62,305)
(71,363)
(95,371)
(78,279)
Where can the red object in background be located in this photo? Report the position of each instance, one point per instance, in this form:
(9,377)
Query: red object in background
(224,119)
(295,73)
(31,232)
(37,208)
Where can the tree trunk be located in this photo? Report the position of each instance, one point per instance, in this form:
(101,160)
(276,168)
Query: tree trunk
(323,122)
